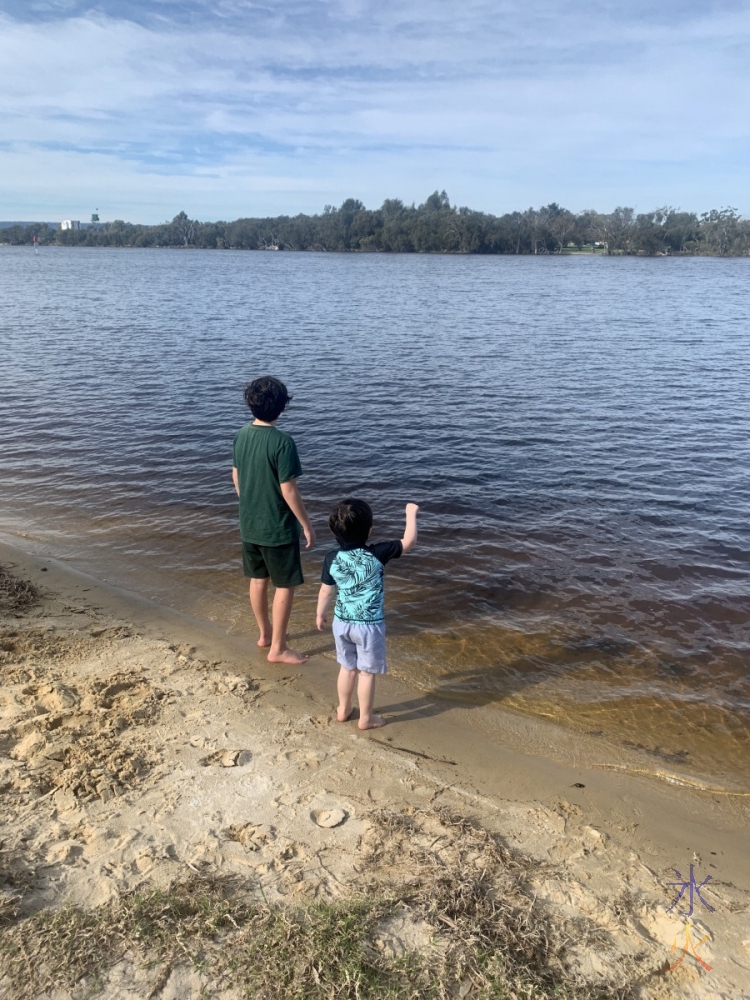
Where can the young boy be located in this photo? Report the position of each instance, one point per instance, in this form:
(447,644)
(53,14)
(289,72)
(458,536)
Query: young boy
(356,569)
(265,472)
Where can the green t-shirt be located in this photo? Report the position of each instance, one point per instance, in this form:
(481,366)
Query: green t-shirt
(265,458)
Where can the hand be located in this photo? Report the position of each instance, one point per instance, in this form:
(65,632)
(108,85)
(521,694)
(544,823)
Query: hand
(412,508)
(309,533)
(321,621)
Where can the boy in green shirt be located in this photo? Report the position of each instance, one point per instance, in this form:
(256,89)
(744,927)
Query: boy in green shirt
(265,471)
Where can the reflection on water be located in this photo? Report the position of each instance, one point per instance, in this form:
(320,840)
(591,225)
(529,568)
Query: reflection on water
(575,430)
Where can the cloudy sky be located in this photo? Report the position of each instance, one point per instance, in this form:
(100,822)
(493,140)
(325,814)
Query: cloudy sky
(225,108)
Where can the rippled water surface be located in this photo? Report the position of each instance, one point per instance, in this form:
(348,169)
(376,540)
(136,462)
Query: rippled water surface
(575,429)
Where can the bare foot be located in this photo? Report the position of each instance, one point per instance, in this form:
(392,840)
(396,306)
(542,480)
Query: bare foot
(265,640)
(288,656)
(344,714)
(374,722)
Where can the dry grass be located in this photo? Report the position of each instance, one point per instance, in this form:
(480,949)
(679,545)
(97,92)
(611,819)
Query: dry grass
(500,940)
(16,595)
(491,941)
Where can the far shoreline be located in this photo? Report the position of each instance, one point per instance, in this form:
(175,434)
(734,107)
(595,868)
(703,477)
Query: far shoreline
(436,226)
(616,254)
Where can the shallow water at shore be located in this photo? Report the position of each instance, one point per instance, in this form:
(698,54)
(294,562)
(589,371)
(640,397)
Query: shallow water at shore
(575,430)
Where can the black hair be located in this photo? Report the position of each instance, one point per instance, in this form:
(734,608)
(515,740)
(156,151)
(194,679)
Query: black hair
(351,521)
(267,398)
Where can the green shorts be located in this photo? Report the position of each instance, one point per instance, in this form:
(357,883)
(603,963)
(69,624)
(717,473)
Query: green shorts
(281,562)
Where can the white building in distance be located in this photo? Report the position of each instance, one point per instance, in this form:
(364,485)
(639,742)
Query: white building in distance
(70,224)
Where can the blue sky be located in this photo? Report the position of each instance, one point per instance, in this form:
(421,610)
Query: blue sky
(228,108)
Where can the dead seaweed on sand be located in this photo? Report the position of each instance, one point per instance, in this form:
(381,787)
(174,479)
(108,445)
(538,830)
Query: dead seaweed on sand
(16,595)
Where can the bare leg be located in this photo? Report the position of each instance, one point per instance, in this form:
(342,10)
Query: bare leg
(347,680)
(366,698)
(282,610)
(259,604)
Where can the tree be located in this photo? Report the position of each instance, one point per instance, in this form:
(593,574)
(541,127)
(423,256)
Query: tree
(183,230)
(615,230)
(560,225)
(681,229)
(436,202)
(648,235)
(720,228)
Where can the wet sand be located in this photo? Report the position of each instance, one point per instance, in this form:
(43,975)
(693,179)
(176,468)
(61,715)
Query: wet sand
(138,745)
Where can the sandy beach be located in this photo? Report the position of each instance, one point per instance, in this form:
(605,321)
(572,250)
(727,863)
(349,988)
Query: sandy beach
(147,757)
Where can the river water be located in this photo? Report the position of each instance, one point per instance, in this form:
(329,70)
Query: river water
(575,429)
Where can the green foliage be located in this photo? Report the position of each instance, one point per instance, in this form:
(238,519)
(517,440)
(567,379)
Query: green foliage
(435,226)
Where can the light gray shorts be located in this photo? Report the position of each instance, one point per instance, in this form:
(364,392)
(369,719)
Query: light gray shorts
(360,646)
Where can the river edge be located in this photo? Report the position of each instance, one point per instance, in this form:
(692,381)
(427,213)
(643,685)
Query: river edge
(607,835)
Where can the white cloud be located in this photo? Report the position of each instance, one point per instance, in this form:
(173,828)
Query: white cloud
(260,109)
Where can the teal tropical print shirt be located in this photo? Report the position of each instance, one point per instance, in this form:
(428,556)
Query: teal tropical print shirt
(357,572)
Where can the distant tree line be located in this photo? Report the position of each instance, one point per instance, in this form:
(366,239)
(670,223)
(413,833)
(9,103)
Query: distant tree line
(433,227)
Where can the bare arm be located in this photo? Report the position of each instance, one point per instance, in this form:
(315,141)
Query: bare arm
(410,532)
(324,598)
(291,494)
(236,480)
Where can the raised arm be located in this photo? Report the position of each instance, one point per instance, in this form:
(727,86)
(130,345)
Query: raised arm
(410,533)
(291,494)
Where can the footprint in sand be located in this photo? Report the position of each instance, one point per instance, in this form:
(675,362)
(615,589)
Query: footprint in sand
(227,758)
(328,818)
(251,837)
(29,746)
(56,697)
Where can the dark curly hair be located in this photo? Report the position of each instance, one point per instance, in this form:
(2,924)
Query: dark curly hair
(351,521)
(267,398)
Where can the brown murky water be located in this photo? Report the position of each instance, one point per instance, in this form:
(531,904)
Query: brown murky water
(576,431)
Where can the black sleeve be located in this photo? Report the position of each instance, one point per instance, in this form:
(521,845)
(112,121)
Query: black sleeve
(385,551)
(325,576)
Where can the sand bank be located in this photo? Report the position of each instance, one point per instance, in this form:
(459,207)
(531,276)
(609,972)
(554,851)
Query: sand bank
(140,749)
